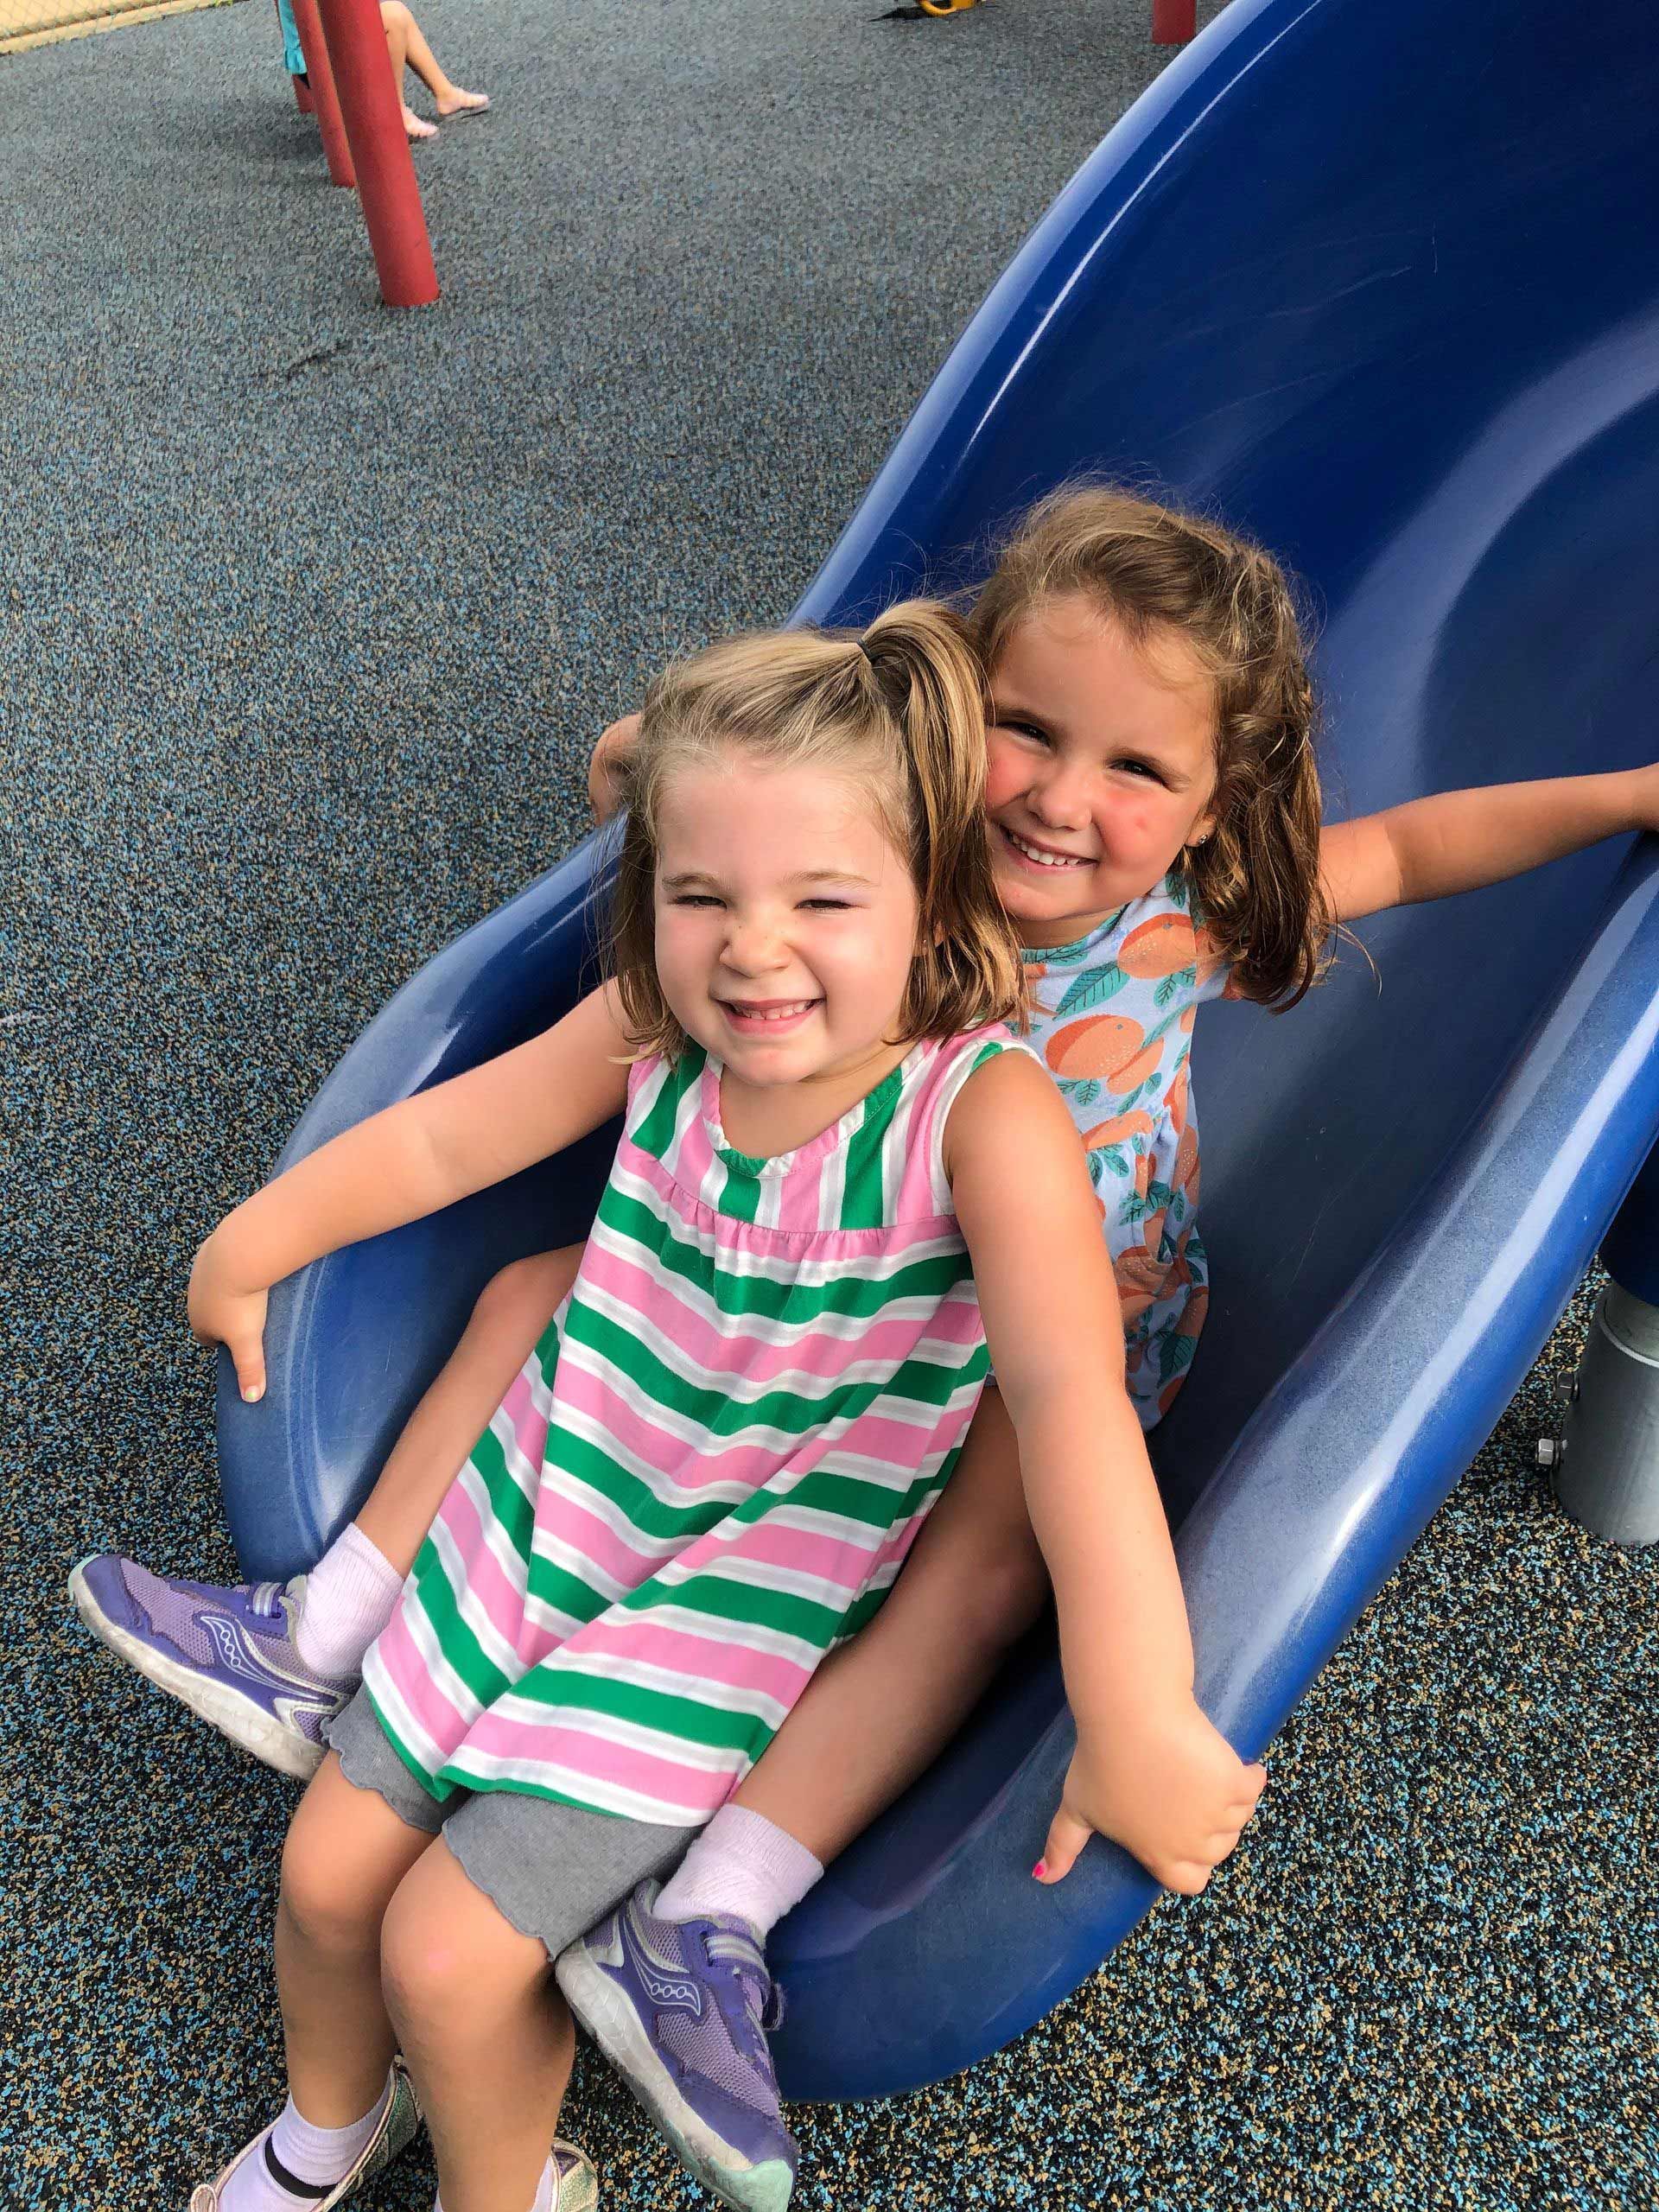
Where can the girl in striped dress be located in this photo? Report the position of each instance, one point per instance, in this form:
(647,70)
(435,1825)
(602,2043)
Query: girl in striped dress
(835,1167)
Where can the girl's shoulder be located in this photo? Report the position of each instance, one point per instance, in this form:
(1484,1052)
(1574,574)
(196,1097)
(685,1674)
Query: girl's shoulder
(935,1074)
(968,1048)
(658,1087)
(957,1057)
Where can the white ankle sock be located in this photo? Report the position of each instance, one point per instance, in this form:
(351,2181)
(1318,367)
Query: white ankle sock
(741,1864)
(349,1597)
(311,2154)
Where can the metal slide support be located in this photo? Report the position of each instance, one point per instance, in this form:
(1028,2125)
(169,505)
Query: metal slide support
(1604,1464)
(372,110)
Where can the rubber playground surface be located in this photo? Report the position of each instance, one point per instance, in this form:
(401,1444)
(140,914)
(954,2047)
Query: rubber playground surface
(310,613)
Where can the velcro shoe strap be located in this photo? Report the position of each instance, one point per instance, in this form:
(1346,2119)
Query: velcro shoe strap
(310,2192)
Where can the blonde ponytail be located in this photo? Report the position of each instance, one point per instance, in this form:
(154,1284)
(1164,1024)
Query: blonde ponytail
(931,678)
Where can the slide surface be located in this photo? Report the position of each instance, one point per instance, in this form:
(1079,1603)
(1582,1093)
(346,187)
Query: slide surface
(1378,286)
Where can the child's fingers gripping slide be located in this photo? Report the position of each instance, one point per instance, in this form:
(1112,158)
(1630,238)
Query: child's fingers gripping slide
(220,1314)
(1173,1791)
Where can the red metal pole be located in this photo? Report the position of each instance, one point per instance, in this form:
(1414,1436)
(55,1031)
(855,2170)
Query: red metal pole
(1174,22)
(385,175)
(326,100)
(302,98)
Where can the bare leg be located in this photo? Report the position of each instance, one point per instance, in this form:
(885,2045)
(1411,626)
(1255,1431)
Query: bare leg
(881,1710)
(410,50)
(506,1324)
(488,2038)
(345,1854)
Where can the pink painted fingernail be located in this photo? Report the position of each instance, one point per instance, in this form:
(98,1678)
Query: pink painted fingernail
(1039,1870)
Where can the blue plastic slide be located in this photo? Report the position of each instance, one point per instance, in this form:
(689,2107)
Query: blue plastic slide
(1377,283)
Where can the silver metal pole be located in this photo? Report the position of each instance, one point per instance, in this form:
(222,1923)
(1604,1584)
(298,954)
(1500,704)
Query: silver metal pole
(1604,1464)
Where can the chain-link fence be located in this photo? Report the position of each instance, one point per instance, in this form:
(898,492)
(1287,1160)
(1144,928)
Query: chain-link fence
(29,22)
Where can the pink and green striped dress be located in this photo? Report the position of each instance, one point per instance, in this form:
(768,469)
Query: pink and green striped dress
(710,1469)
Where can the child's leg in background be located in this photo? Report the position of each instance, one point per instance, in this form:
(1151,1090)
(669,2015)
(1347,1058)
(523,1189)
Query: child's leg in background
(295,1662)
(879,1711)
(410,50)
(350,1591)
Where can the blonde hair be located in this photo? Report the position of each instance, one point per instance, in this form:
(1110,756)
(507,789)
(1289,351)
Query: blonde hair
(1254,879)
(901,710)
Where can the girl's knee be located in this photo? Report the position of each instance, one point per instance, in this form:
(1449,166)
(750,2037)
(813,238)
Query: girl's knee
(395,14)
(527,1288)
(323,1897)
(345,1854)
(450,1961)
(1005,1598)
(423,1972)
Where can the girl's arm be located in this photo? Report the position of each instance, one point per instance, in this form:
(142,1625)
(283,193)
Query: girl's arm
(408,1161)
(1460,840)
(1150,1771)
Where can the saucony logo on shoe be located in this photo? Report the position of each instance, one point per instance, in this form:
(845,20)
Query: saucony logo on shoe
(662,1988)
(232,1652)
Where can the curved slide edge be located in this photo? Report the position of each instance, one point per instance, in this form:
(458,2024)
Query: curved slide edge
(1317,1503)
(387,1313)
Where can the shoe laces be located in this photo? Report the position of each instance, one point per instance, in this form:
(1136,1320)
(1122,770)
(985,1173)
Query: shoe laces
(265,1599)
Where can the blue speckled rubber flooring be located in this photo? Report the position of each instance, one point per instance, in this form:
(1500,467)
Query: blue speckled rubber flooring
(308,615)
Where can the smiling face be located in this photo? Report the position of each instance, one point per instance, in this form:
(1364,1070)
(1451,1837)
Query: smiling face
(1102,768)
(785,929)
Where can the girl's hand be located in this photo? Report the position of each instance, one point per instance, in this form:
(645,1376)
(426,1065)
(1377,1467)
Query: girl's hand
(220,1314)
(604,792)
(1168,1786)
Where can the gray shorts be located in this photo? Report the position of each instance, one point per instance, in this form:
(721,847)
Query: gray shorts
(553,1869)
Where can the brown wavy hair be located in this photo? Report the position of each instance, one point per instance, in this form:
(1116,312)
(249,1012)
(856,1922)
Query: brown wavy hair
(1254,879)
(900,708)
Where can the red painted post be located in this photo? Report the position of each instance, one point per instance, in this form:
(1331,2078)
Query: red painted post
(385,175)
(324,97)
(1174,22)
(302,98)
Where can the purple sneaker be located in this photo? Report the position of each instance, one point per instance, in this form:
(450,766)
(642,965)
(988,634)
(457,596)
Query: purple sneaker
(229,1654)
(681,2009)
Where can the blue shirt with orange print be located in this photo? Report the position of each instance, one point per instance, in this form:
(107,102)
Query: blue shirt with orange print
(1112,1019)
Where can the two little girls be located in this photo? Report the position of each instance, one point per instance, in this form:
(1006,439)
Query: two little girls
(715,1458)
